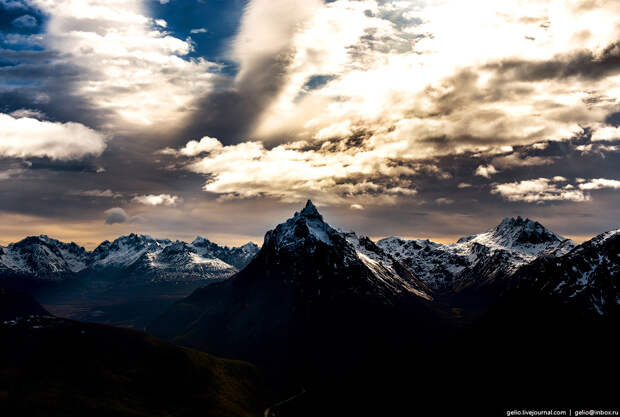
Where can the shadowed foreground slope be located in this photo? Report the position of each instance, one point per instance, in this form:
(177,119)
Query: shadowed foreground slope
(14,304)
(57,367)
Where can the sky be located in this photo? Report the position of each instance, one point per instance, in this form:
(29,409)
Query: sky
(220,118)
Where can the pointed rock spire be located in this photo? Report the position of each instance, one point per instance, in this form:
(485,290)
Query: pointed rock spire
(311,211)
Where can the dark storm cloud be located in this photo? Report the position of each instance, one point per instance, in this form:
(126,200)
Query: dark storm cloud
(465,92)
(87,165)
(48,88)
(584,64)
(35,80)
(613,119)
(26,56)
(232,110)
(36,72)
(116,215)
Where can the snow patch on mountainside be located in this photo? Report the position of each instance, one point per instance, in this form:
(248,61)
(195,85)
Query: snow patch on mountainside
(382,265)
(589,273)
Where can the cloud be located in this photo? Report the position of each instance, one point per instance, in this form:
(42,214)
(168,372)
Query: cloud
(98,193)
(116,215)
(195,148)
(606,133)
(123,65)
(460,97)
(357,207)
(26,137)
(198,30)
(584,64)
(600,183)
(27,113)
(517,160)
(293,172)
(442,201)
(555,189)
(538,191)
(463,185)
(13,4)
(10,173)
(25,21)
(486,171)
(262,49)
(158,200)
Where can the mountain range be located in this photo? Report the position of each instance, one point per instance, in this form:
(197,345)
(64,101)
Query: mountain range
(42,259)
(127,282)
(341,325)
(335,313)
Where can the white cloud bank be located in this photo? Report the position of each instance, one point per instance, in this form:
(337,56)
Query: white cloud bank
(541,190)
(367,89)
(600,183)
(25,137)
(411,72)
(130,67)
(158,200)
(294,173)
(486,171)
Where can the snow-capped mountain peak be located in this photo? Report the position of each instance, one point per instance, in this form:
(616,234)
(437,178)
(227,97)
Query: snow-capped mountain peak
(126,250)
(180,261)
(43,257)
(307,225)
(523,235)
(310,211)
(306,234)
(249,247)
(200,240)
(238,257)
